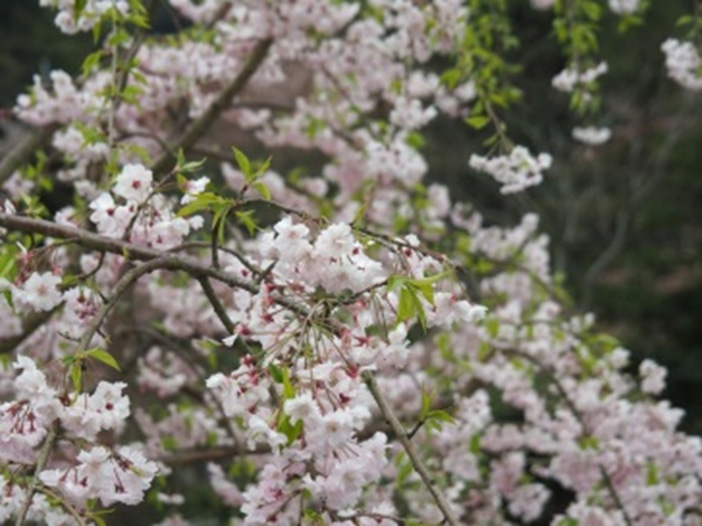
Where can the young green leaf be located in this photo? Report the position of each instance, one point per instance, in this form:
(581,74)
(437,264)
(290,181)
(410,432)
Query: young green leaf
(262,189)
(244,164)
(104,357)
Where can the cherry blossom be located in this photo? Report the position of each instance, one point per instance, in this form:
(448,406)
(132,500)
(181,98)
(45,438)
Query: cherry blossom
(592,135)
(516,171)
(38,292)
(683,61)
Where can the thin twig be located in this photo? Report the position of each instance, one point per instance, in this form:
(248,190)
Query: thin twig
(120,288)
(72,511)
(441,501)
(553,377)
(42,460)
(122,285)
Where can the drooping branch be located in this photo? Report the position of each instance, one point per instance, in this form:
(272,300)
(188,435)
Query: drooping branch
(198,270)
(573,408)
(117,246)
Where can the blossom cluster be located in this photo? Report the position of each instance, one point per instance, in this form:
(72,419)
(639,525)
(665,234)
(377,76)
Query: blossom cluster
(90,15)
(570,78)
(624,7)
(515,172)
(592,135)
(682,59)
(112,476)
(142,216)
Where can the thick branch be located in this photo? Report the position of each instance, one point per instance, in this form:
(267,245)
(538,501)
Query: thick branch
(217,305)
(135,252)
(199,126)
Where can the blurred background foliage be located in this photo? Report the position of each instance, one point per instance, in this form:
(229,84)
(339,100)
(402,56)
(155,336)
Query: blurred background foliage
(625,219)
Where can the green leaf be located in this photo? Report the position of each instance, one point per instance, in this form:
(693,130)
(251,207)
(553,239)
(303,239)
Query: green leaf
(219,221)
(192,166)
(77,376)
(91,61)
(203,201)
(478,122)
(314,518)
(288,389)
(104,357)
(360,213)
(406,307)
(182,181)
(180,157)
(493,327)
(244,164)
(262,189)
(263,168)
(7,263)
(685,20)
(588,442)
(276,373)
(78,8)
(415,140)
(652,477)
(289,430)
(426,405)
(246,218)
(404,470)
(475,443)
(169,443)
(441,415)
(395,282)
(593,10)
(97,31)
(117,38)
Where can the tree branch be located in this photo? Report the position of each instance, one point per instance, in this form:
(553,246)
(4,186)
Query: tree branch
(43,458)
(135,252)
(417,462)
(217,305)
(120,288)
(23,150)
(199,126)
